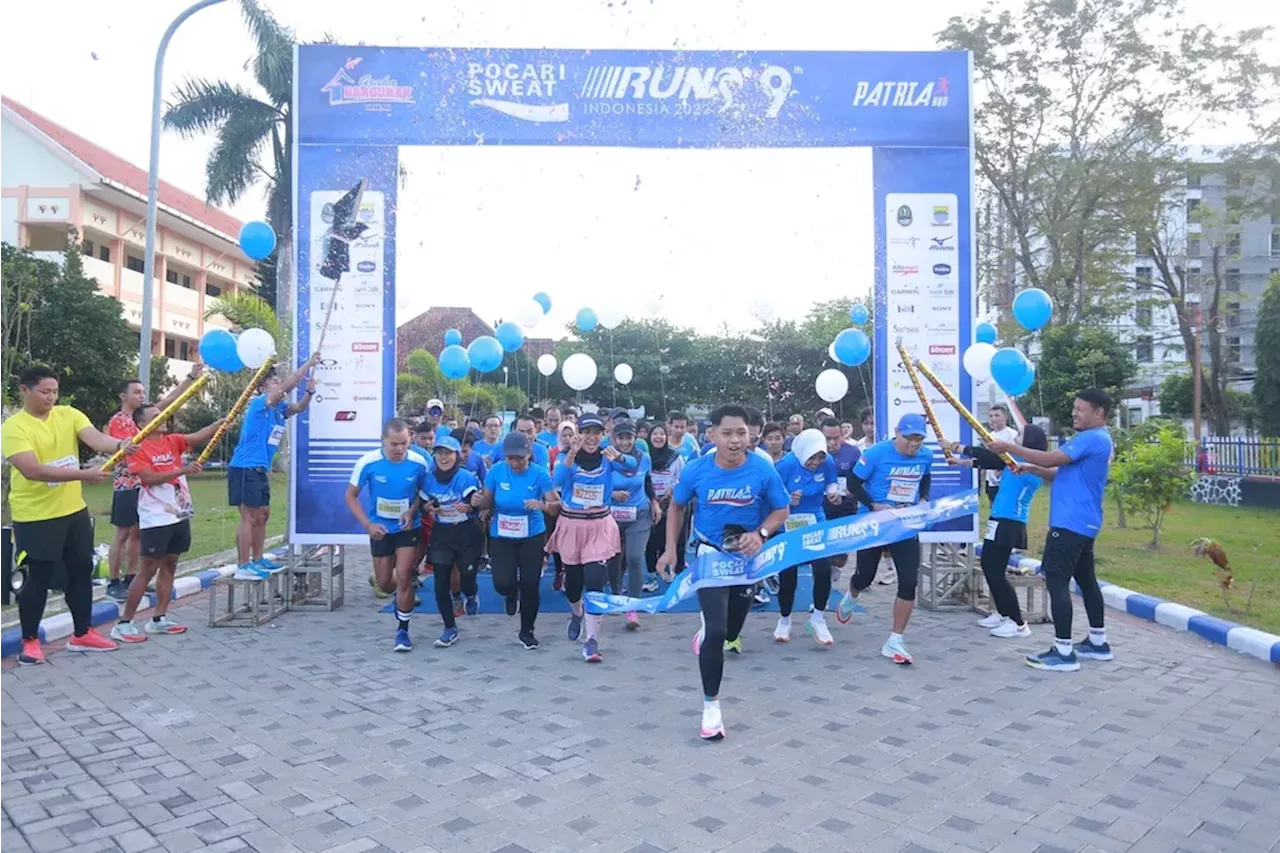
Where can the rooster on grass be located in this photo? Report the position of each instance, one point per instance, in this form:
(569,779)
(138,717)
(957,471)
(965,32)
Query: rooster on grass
(1211,548)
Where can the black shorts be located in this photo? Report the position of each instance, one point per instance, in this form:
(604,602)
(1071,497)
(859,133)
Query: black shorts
(172,539)
(455,544)
(249,487)
(67,540)
(906,561)
(1008,533)
(124,508)
(392,542)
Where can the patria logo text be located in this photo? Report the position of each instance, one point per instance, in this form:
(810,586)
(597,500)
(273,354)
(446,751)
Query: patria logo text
(896,93)
(650,90)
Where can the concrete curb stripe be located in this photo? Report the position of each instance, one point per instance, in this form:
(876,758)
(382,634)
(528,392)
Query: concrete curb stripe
(1241,638)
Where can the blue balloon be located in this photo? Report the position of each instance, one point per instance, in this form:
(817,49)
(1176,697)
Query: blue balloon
(586,319)
(218,350)
(1009,368)
(453,338)
(1028,379)
(852,347)
(485,353)
(858,314)
(1032,308)
(257,240)
(510,336)
(985,333)
(454,362)
(543,300)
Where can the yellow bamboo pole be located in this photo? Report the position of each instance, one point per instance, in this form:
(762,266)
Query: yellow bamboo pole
(924,401)
(186,395)
(237,409)
(977,425)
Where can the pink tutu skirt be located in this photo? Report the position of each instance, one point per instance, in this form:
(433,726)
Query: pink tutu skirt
(579,541)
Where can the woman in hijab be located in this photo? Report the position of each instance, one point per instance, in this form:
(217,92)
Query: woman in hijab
(667,463)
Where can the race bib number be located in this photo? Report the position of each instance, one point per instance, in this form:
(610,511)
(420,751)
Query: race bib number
(64,462)
(842,488)
(623,513)
(801,519)
(277,433)
(902,491)
(663,481)
(992,526)
(587,496)
(513,526)
(392,508)
(450,514)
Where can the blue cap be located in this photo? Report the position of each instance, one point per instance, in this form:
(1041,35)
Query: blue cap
(516,444)
(912,424)
(590,420)
(448,442)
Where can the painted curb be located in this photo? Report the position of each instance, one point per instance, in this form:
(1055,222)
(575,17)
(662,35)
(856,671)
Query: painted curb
(1242,638)
(59,627)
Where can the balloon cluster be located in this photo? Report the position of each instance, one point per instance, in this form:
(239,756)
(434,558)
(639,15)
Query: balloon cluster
(1008,366)
(230,353)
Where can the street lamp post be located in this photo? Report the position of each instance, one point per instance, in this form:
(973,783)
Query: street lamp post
(153,192)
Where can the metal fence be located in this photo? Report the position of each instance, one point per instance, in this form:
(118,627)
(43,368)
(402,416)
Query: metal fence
(1225,456)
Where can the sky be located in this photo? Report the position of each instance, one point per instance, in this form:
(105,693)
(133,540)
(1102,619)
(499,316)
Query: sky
(783,229)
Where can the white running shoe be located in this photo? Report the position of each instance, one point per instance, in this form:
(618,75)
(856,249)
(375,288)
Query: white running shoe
(888,576)
(896,651)
(992,620)
(1009,629)
(712,722)
(782,633)
(817,628)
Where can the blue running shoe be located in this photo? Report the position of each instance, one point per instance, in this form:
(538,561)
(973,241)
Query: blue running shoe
(403,644)
(473,605)
(447,639)
(271,567)
(1089,650)
(574,629)
(591,651)
(1054,661)
(848,606)
(251,572)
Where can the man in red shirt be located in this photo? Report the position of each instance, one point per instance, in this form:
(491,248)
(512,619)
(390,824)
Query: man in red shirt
(164,517)
(124,485)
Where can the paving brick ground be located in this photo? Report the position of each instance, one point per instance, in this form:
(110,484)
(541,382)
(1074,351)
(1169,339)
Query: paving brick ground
(311,735)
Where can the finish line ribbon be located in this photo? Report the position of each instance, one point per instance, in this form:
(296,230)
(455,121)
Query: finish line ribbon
(794,548)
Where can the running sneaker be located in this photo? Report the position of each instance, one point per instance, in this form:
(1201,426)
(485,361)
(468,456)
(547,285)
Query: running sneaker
(712,722)
(513,604)
(771,584)
(1089,650)
(558,583)
(270,565)
(896,651)
(633,621)
(117,590)
(459,606)
(591,651)
(992,620)
(734,645)
(1008,629)
(447,639)
(31,654)
(651,585)
(91,641)
(782,633)
(529,641)
(848,606)
(253,572)
(573,630)
(403,643)
(127,632)
(817,628)
(762,595)
(888,577)
(473,605)
(1054,661)
(697,641)
(164,625)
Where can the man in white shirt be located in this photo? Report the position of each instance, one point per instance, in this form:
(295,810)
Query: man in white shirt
(998,423)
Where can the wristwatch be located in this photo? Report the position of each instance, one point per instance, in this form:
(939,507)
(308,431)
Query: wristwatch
(764,533)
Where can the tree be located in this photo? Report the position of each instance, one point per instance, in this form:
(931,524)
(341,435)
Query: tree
(1151,476)
(423,381)
(1074,357)
(1074,103)
(1266,347)
(24,277)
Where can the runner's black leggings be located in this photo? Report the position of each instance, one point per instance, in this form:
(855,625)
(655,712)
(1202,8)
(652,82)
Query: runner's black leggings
(724,611)
(906,559)
(590,577)
(788,579)
(517,568)
(995,565)
(441,577)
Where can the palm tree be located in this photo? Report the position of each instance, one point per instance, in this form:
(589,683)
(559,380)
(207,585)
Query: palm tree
(247,311)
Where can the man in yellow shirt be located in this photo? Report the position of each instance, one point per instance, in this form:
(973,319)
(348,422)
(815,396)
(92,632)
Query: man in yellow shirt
(50,520)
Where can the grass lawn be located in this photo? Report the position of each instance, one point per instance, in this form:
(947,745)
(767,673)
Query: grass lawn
(1251,538)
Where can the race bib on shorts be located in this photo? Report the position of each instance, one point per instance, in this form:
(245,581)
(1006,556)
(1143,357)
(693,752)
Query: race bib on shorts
(587,496)
(64,462)
(903,491)
(450,514)
(801,519)
(392,507)
(623,513)
(277,433)
(663,481)
(992,526)
(513,526)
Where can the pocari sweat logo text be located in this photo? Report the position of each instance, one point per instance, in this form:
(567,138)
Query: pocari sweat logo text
(901,93)
(683,89)
(506,87)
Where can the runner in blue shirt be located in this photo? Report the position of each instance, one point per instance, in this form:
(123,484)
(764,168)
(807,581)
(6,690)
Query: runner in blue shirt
(739,502)
(893,473)
(490,444)
(550,435)
(523,424)
(471,460)
(450,495)
(635,508)
(681,441)
(1078,472)
(383,497)
(845,456)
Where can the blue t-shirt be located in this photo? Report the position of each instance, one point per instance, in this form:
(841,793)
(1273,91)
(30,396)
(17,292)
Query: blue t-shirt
(260,433)
(486,449)
(629,477)
(387,488)
(890,477)
(1075,497)
(688,448)
(812,485)
(581,489)
(538,455)
(1013,500)
(442,430)
(550,439)
(452,496)
(510,519)
(845,458)
(744,495)
(475,464)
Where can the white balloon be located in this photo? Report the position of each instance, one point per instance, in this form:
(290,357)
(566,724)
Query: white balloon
(546,361)
(653,303)
(831,385)
(529,315)
(977,361)
(610,315)
(623,373)
(255,346)
(579,371)
(831,351)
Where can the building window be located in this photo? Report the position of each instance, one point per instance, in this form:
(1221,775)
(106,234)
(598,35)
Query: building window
(1232,281)
(104,254)
(1193,180)
(1233,349)
(212,290)
(1275,243)
(1193,205)
(134,263)
(186,282)
(1142,276)
(1143,350)
(1193,247)
(1233,180)
(1145,247)
(1233,246)
(86,248)
(177,349)
(171,276)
